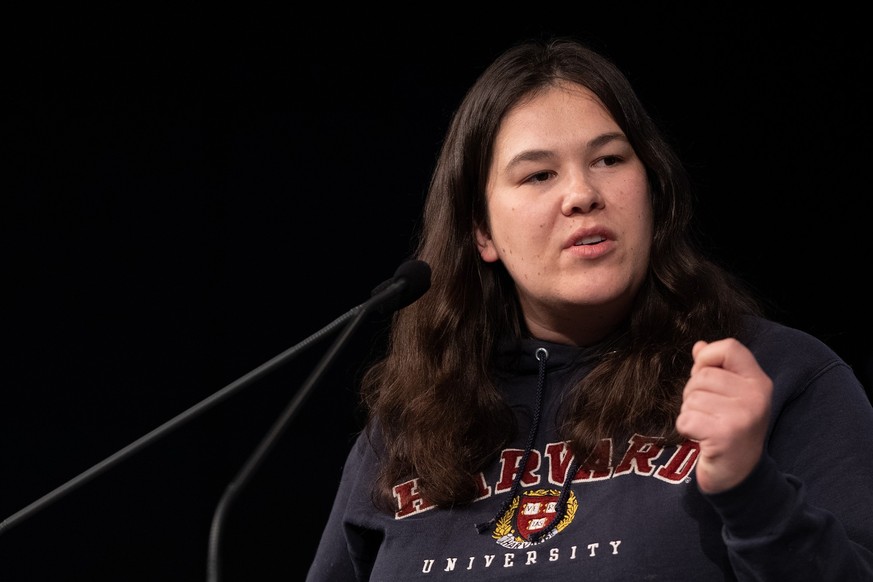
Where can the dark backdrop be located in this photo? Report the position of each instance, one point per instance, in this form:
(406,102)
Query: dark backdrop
(188,196)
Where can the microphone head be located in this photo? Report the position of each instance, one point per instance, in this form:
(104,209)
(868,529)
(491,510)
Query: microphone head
(411,280)
(417,276)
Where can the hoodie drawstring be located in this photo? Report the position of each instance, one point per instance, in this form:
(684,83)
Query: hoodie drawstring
(542,355)
(561,506)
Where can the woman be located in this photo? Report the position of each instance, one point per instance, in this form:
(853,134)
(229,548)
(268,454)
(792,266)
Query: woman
(582,394)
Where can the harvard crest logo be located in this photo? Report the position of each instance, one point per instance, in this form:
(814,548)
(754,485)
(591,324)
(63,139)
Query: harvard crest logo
(529,513)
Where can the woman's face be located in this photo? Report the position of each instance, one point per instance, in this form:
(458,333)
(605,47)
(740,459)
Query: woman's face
(569,214)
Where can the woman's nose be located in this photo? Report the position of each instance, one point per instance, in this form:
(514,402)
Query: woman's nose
(580,197)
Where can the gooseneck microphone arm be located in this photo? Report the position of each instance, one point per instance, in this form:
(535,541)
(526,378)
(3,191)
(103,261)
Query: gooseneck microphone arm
(254,461)
(410,281)
(171,424)
(410,278)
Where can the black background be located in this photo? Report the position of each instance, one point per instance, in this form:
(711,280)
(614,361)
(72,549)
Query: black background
(189,195)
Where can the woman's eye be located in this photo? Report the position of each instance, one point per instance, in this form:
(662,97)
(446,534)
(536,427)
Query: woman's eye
(609,160)
(539,177)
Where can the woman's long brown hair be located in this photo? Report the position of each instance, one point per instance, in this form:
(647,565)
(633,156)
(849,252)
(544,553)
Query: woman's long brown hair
(432,397)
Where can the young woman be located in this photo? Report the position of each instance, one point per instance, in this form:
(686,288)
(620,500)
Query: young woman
(582,394)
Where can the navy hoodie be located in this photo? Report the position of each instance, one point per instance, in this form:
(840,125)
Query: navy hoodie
(804,514)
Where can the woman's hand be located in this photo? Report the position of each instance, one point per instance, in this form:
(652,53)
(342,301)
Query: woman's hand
(726,408)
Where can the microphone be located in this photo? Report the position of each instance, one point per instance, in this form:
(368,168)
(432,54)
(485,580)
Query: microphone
(410,281)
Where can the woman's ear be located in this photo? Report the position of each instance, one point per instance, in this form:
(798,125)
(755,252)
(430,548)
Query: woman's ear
(485,244)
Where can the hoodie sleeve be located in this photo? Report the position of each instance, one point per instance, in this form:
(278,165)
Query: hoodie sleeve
(806,511)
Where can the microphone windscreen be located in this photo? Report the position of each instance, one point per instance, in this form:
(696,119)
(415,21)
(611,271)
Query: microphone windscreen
(414,278)
(417,276)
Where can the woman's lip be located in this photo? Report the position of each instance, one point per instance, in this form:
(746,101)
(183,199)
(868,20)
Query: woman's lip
(592,251)
(589,235)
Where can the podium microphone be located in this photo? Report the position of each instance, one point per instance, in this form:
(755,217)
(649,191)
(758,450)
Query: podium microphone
(410,281)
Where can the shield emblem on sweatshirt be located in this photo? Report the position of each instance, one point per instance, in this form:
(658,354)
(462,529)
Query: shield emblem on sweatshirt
(536,511)
(529,514)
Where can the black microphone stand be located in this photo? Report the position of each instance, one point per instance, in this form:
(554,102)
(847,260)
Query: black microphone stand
(233,489)
(175,422)
(410,281)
